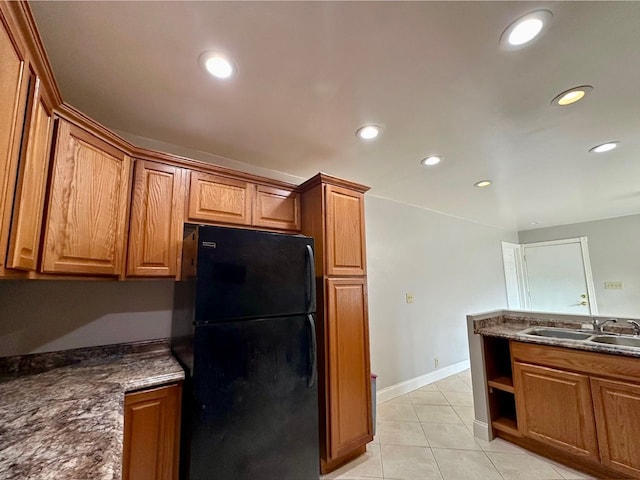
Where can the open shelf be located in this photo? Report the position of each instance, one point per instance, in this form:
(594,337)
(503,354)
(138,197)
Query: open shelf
(503,383)
(506,424)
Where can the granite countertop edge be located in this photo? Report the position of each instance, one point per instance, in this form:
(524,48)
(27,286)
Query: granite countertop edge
(68,421)
(503,324)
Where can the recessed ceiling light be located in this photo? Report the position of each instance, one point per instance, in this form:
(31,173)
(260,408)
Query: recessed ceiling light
(431,161)
(605,147)
(368,132)
(525,29)
(217,65)
(571,96)
(482,183)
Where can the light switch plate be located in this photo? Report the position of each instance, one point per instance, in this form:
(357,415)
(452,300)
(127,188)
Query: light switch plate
(409,298)
(613,285)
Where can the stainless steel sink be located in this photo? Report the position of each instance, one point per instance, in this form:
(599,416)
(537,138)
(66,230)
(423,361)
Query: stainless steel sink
(619,340)
(557,333)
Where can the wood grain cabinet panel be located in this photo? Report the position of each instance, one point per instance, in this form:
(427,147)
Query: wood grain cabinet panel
(151,434)
(219,199)
(349,386)
(345,242)
(13,99)
(617,411)
(157,216)
(88,204)
(276,208)
(554,407)
(28,205)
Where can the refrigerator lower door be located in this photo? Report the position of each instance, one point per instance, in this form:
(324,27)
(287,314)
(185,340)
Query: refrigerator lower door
(254,401)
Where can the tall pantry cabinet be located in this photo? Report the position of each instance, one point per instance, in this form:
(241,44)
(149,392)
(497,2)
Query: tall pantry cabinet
(333,213)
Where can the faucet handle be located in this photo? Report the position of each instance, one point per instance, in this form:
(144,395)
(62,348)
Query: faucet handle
(636,326)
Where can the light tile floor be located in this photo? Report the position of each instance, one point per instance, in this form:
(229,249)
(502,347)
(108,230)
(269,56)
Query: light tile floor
(427,435)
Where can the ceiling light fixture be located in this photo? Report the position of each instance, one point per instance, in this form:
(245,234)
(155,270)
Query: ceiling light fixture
(604,147)
(369,132)
(217,65)
(482,183)
(572,95)
(525,29)
(431,160)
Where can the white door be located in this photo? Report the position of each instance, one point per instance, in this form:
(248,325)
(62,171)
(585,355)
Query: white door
(559,279)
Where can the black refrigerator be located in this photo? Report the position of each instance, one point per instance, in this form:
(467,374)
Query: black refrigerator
(244,328)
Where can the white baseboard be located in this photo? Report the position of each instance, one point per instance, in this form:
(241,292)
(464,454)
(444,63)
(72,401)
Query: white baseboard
(407,386)
(481,430)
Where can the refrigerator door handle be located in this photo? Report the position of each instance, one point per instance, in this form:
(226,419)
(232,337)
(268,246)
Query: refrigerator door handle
(311,286)
(314,351)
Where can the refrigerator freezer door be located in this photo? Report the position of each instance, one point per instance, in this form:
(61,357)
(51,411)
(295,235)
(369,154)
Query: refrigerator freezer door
(254,401)
(244,274)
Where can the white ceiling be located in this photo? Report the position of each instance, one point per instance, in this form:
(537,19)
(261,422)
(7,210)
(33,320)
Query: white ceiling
(431,73)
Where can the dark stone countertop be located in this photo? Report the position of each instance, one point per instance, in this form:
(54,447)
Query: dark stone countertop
(67,422)
(509,324)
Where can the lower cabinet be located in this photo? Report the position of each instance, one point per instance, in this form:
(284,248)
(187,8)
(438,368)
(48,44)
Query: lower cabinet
(617,409)
(348,388)
(554,407)
(151,434)
(576,406)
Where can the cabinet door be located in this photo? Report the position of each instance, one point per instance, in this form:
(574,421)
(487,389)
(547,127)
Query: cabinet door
(617,407)
(347,352)
(13,98)
(151,434)
(157,216)
(87,211)
(276,208)
(344,232)
(28,203)
(219,199)
(555,407)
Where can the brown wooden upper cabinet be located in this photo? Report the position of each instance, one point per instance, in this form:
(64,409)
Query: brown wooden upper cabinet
(157,217)
(217,199)
(87,205)
(26,222)
(345,242)
(13,107)
(276,208)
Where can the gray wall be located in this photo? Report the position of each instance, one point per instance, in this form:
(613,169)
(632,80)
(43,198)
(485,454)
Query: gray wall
(48,315)
(451,266)
(614,250)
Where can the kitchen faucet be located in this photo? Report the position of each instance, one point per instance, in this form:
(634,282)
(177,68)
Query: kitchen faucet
(636,327)
(597,326)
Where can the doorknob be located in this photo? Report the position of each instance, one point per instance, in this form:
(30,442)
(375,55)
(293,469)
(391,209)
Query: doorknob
(582,303)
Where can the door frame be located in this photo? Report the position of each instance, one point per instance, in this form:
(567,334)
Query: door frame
(586,263)
(519,287)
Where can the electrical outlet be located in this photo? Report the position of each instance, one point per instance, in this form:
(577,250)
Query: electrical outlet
(613,285)
(436,362)
(409,298)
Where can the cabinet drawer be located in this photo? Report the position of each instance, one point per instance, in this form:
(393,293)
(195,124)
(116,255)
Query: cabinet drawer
(219,199)
(589,363)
